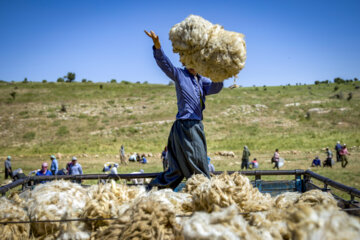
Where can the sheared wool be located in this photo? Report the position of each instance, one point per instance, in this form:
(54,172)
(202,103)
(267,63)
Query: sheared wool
(322,222)
(225,190)
(225,224)
(316,197)
(52,201)
(108,201)
(209,49)
(10,211)
(148,219)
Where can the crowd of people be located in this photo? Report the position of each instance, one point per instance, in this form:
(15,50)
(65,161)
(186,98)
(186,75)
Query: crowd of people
(341,156)
(74,168)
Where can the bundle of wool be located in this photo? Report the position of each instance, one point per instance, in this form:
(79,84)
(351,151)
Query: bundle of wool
(148,219)
(316,197)
(176,201)
(223,191)
(209,49)
(109,200)
(10,211)
(286,199)
(322,222)
(52,201)
(225,224)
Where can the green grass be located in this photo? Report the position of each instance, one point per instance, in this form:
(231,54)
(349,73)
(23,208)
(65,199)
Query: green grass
(140,116)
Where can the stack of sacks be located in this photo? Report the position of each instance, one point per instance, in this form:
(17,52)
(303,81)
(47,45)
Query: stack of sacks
(108,201)
(148,219)
(53,201)
(10,211)
(209,49)
(224,190)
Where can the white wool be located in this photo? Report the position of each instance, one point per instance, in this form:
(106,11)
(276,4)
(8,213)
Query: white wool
(209,49)
(55,200)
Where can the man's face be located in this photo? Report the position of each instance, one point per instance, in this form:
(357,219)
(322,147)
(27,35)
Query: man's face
(192,71)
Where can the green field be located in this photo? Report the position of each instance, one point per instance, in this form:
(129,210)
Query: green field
(299,120)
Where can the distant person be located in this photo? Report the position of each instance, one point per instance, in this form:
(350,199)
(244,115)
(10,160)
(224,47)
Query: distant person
(316,162)
(68,166)
(138,180)
(133,157)
(328,162)
(338,148)
(164,159)
(54,165)
(8,170)
(143,159)
(44,171)
(343,155)
(113,170)
(18,174)
(211,166)
(122,155)
(107,167)
(254,163)
(276,159)
(245,158)
(62,172)
(75,169)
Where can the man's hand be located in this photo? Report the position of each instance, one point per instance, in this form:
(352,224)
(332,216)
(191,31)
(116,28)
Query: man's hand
(155,38)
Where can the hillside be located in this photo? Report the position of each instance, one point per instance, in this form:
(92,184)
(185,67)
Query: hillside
(299,120)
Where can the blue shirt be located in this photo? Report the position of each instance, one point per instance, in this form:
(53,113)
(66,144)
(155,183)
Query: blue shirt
(75,169)
(316,162)
(188,89)
(54,166)
(47,173)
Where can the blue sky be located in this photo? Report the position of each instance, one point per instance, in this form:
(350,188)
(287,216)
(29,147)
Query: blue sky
(287,41)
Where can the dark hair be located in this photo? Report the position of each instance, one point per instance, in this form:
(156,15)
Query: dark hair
(276,150)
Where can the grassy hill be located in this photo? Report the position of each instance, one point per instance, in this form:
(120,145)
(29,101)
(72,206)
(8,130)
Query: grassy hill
(99,117)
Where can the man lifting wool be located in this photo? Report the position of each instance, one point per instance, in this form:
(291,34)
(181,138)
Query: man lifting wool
(187,153)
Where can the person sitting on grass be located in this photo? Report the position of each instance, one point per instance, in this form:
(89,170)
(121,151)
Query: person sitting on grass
(211,166)
(113,170)
(143,159)
(254,164)
(44,171)
(316,162)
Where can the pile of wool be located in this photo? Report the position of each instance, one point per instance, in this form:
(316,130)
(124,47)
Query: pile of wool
(176,201)
(148,219)
(107,201)
(10,211)
(225,224)
(53,201)
(209,49)
(322,222)
(225,190)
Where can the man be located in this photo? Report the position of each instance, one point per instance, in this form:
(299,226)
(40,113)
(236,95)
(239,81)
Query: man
(75,169)
(343,156)
(338,149)
(44,171)
(113,170)
(210,165)
(316,162)
(122,155)
(328,161)
(276,159)
(186,146)
(8,170)
(54,165)
(245,158)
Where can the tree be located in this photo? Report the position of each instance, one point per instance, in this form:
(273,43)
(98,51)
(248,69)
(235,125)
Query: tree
(70,77)
(25,80)
(60,79)
(171,83)
(113,81)
(44,81)
(338,80)
(83,80)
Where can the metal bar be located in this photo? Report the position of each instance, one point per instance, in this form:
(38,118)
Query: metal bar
(350,190)
(266,172)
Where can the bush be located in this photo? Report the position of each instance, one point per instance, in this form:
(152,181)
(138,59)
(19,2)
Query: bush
(44,81)
(125,82)
(60,79)
(25,80)
(83,80)
(29,136)
(113,81)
